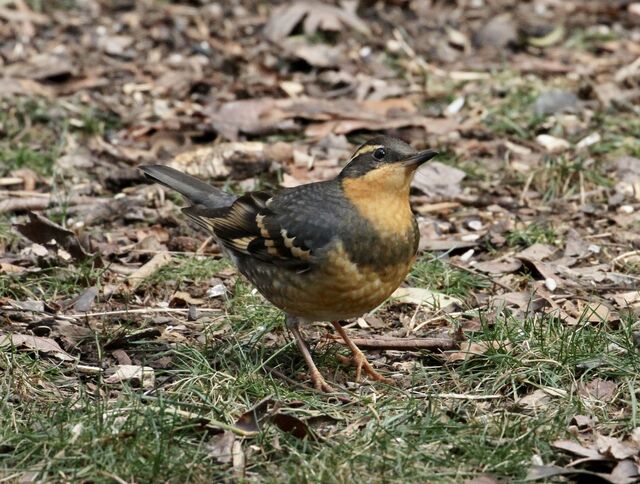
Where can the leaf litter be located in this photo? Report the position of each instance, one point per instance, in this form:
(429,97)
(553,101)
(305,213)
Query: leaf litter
(536,193)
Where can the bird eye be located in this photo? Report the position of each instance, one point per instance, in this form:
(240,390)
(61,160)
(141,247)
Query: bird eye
(379,154)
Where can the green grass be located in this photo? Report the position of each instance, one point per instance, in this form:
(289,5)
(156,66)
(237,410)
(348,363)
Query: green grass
(65,429)
(51,282)
(513,115)
(439,422)
(34,132)
(437,274)
(531,234)
(189,268)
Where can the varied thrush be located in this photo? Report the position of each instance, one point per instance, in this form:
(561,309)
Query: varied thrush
(325,251)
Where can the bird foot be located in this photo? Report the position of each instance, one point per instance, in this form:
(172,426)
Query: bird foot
(359,360)
(319,383)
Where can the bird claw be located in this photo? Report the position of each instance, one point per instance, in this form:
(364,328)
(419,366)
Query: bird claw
(361,363)
(359,360)
(320,384)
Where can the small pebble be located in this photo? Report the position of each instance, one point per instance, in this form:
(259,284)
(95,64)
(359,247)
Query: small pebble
(616,348)
(552,144)
(536,460)
(393,46)
(626,209)
(551,284)
(192,315)
(470,237)
(590,140)
(217,290)
(454,107)
(365,51)
(474,224)
(556,101)
(467,255)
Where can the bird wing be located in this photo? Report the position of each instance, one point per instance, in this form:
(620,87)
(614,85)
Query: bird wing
(273,229)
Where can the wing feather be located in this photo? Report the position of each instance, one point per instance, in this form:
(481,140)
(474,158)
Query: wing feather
(249,227)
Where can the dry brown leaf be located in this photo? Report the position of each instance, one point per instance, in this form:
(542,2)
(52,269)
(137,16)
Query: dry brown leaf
(445,245)
(7,268)
(291,425)
(536,252)
(314,15)
(469,350)
(44,66)
(28,87)
(252,116)
(547,472)
(24,203)
(85,300)
(220,447)
(625,299)
(598,389)
(584,422)
(534,401)
(499,266)
(418,295)
(182,299)
(523,300)
(45,346)
(437,126)
(625,472)
(616,448)
(318,55)
(43,231)
(578,449)
(141,375)
(235,160)
(483,480)
(588,312)
(251,421)
(268,115)
(437,179)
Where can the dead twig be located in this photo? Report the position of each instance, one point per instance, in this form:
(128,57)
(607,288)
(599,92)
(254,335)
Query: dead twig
(140,311)
(152,266)
(23,204)
(405,344)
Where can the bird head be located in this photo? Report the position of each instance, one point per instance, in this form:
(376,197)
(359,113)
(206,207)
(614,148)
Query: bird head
(385,163)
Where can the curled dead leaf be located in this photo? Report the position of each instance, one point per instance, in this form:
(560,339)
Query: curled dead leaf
(419,295)
(142,375)
(43,231)
(470,349)
(314,16)
(38,344)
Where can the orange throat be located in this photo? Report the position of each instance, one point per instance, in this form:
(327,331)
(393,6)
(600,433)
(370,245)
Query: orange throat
(382,197)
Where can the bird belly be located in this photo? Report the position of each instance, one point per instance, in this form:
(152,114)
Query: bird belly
(337,289)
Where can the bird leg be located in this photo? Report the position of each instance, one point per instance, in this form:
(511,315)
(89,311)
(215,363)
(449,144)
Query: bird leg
(317,379)
(359,360)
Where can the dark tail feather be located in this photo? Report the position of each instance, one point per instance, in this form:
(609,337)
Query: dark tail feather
(198,192)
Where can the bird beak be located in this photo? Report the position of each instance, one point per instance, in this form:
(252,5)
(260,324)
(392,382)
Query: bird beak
(419,158)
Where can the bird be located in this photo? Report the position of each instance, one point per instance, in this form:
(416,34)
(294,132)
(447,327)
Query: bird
(323,251)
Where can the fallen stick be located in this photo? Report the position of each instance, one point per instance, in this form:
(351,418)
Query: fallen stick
(406,344)
(138,311)
(156,263)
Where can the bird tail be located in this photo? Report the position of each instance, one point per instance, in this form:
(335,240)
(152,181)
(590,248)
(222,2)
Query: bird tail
(196,191)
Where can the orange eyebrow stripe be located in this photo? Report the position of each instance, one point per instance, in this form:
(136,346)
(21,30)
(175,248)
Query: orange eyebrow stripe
(365,149)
